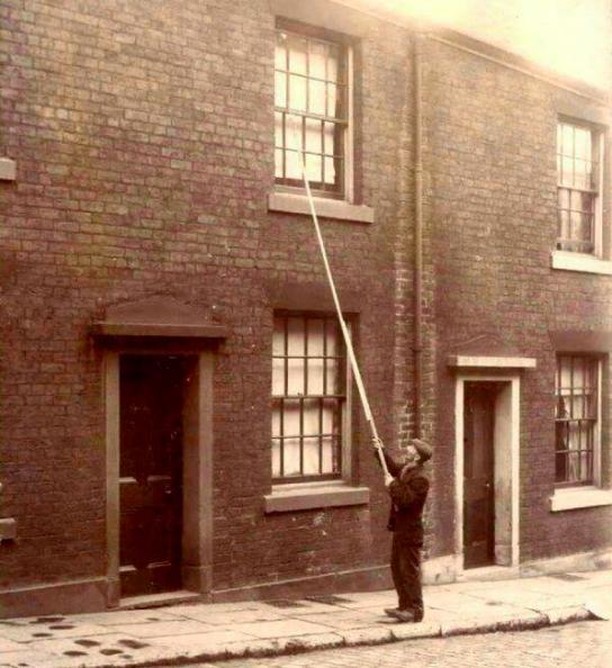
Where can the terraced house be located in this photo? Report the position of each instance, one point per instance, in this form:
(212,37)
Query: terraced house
(178,416)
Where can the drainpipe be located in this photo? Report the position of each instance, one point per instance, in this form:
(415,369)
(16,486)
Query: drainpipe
(418,234)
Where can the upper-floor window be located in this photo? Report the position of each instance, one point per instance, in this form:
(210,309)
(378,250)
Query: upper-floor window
(309,397)
(311,92)
(579,172)
(577,420)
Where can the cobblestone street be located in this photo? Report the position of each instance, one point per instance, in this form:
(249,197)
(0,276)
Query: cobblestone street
(587,643)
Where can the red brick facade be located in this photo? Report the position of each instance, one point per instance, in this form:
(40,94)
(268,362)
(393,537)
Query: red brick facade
(142,136)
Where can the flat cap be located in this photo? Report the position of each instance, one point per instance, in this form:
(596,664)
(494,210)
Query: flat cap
(424,449)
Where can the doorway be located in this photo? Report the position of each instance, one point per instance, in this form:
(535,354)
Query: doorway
(478,474)
(487,474)
(152,392)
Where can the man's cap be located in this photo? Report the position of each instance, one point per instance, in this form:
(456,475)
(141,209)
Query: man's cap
(424,449)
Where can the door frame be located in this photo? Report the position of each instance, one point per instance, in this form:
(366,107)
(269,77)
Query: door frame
(196,566)
(506,468)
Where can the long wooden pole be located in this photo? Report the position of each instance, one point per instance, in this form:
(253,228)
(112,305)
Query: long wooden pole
(345,333)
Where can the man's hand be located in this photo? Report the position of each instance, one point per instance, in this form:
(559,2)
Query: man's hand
(377,443)
(388,479)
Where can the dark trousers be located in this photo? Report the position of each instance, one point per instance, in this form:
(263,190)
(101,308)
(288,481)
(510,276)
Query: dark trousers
(406,571)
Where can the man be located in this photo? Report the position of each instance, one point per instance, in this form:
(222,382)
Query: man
(408,485)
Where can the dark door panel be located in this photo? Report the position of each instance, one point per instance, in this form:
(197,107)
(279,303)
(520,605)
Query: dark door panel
(478,483)
(152,389)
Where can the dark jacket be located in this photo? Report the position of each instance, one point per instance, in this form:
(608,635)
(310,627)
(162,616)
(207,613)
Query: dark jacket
(408,494)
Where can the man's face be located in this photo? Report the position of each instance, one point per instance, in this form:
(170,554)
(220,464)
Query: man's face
(409,454)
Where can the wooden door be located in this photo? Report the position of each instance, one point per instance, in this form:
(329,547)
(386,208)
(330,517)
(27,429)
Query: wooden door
(478,481)
(151,409)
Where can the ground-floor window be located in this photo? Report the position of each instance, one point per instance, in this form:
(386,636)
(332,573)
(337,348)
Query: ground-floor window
(309,397)
(577,419)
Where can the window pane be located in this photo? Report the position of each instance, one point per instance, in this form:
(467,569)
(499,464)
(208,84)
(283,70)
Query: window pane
(311,417)
(276,459)
(280,54)
(318,56)
(327,452)
(298,49)
(295,379)
(280,89)
(311,456)
(316,101)
(291,457)
(314,139)
(297,93)
(278,377)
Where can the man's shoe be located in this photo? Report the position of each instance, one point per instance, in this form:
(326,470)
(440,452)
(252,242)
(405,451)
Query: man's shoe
(391,611)
(405,616)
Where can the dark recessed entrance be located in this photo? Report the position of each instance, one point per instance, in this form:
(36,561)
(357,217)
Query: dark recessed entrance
(152,402)
(479,467)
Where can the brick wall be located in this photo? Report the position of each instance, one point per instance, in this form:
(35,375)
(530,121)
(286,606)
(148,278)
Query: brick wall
(491,162)
(142,133)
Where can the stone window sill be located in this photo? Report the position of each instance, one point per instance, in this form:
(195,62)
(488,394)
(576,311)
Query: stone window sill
(305,496)
(579,497)
(580,262)
(325,208)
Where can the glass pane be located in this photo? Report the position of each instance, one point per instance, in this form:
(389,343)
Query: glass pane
(318,54)
(583,143)
(333,55)
(567,171)
(276,459)
(295,380)
(298,49)
(291,418)
(278,163)
(311,456)
(313,135)
(280,89)
(297,93)
(327,464)
(330,171)
(278,377)
(564,198)
(291,454)
(332,100)
(276,421)
(582,177)
(315,336)
(310,417)
(568,139)
(280,53)
(329,133)
(293,166)
(313,168)
(316,101)
(329,424)
(315,376)
(333,334)
(293,131)
(278,129)
(295,336)
(333,376)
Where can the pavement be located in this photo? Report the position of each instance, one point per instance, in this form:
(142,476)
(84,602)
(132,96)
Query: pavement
(182,634)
